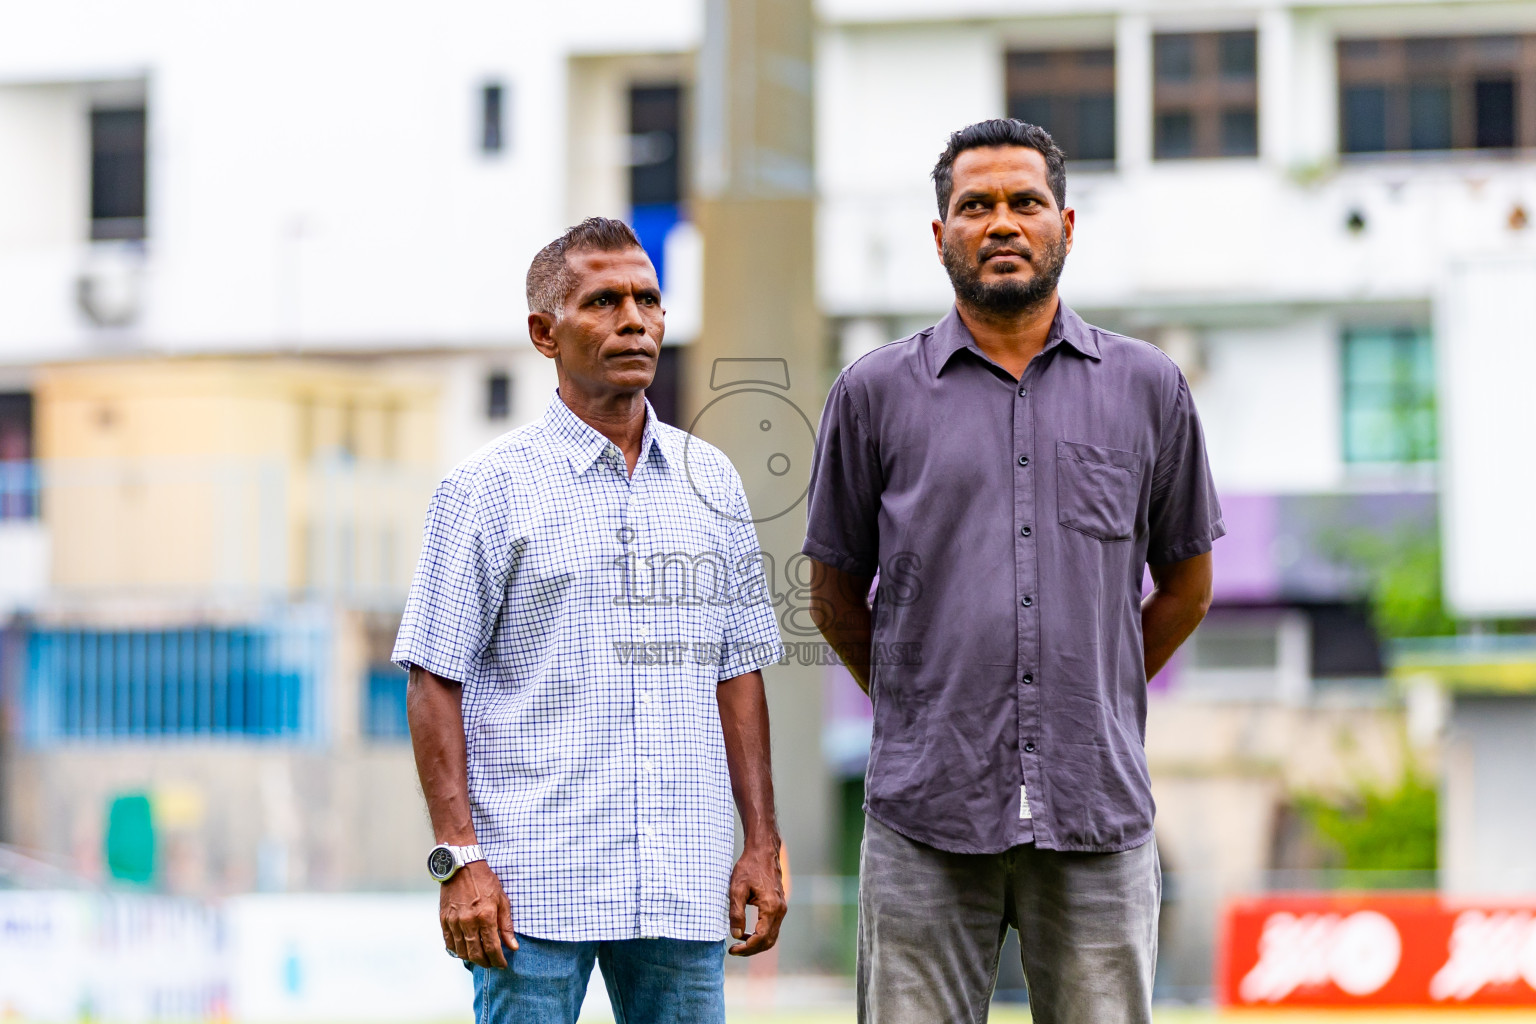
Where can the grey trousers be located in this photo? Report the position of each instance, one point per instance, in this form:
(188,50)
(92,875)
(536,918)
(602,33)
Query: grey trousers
(932,924)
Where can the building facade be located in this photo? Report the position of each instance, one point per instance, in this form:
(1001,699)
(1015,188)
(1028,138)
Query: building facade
(261,274)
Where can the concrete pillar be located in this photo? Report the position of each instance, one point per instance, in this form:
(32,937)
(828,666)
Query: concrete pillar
(757,375)
(1133,92)
(1277,86)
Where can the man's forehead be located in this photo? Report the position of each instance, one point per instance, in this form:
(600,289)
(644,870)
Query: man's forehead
(988,165)
(591,263)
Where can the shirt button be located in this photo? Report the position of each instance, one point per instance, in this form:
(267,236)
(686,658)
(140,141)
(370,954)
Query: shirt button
(1027,601)
(1028,679)
(1025,531)
(1023,460)
(1023,392)
(1029,748)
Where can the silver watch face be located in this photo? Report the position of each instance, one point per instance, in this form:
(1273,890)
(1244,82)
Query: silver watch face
(440,862)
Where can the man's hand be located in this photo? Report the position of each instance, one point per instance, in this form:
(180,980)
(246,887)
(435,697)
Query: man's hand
(476,917)
(757,881)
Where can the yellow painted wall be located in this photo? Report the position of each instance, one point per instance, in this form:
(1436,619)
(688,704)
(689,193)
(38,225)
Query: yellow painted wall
(233,474)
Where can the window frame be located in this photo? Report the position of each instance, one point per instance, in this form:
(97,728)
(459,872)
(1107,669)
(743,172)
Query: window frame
(1395,66)
(1206,97)
(1064,75)
(1354,453)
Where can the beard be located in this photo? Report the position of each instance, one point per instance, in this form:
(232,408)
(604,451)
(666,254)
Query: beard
(1011,295)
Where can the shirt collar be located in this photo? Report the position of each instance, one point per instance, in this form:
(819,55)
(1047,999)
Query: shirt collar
(583,444)
(950,335)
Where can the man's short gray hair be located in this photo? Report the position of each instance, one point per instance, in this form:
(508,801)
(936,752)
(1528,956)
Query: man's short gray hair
(550,278)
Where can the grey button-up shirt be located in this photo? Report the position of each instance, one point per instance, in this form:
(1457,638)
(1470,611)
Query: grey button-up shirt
(1010,521)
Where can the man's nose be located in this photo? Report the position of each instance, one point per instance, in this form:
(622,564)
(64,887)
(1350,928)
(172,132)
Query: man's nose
(630,320)
(1003,224)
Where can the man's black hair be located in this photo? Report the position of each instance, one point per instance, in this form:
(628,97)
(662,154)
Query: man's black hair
(550,278)
(1000,131)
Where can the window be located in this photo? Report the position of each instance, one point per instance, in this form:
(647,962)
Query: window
(117,173)
(1069,93)
(384,714)
(655,167)
(18,473)
(1435,93)
(1205,95)
(1389,395)
(256,682)
(491,119)
(498,396)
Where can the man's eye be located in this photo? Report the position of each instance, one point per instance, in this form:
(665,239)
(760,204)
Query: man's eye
(602,301)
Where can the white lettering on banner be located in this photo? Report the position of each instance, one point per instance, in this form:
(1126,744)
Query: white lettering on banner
(1496,948)
(1358,953)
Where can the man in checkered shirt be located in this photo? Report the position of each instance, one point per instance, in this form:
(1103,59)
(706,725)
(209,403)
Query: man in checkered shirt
(584,636)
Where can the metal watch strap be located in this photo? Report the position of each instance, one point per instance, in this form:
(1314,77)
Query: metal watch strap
(468,854)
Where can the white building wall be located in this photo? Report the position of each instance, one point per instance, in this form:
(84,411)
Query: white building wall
(315,176)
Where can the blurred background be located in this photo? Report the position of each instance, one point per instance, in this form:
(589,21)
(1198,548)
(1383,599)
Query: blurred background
(261,276)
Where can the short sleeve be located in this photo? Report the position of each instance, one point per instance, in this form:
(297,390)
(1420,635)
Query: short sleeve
(1184,517)
(457,592)
(842,528)
(751,638)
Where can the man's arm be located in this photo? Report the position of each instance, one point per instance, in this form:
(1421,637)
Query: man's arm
(472,908)
(756,878)
(840,609)
(1181,595)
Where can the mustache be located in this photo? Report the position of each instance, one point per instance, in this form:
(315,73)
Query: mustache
(986,252)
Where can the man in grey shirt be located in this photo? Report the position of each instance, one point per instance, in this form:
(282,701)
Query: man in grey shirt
(1011,470)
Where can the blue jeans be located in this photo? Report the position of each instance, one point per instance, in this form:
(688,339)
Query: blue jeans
(650,981)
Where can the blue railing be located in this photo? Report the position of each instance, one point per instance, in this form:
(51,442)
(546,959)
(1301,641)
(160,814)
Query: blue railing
(19,487)
(259,682)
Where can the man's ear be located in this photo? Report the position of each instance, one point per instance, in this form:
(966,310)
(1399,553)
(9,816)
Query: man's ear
(938,238)
(1068,226)
(541,331)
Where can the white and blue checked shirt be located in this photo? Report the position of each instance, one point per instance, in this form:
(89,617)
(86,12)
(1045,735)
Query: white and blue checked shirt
(589,615)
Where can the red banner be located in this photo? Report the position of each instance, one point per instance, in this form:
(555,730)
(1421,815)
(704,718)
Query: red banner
(1360,949)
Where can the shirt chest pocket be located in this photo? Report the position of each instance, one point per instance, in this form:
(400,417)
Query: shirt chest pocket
(1097,489)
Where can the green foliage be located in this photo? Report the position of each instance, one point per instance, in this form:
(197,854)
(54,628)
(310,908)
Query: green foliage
(1401,572)
(1377,828)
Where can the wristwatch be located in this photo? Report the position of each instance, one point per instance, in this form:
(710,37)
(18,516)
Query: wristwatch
(444,861)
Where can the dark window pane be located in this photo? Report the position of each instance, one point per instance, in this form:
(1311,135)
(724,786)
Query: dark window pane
(1175,135)
(1096,58)
(1239,132)
(1429,117)
(117,173)
(1359,49)
(1238,54)
(1495,102)
(1174,57)
(1365,119)
(498,396)
(1497,49)
(1096,128)
(1430,53)
(490,119)
(1035,110)
(1030,58)
(655,125)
